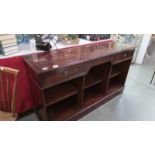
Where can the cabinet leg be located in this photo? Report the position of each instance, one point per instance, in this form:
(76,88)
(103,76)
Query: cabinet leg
(45,115)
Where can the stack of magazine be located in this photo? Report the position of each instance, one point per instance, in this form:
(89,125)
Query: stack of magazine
(8,44)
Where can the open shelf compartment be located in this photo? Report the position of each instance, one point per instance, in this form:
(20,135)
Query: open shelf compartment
(92,79)
(116,83)
(95,75)
(119,68)
(59,92)
(63,110)
(92,95)
(114,72)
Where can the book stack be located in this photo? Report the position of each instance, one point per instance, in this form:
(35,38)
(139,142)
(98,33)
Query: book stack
(8,44)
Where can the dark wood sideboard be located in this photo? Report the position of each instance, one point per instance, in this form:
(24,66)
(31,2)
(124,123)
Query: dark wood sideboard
(69,83)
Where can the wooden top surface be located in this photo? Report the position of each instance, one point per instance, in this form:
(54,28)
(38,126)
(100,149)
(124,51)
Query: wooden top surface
(45,61)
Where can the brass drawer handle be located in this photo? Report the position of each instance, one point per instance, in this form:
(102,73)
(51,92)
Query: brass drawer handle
(66,73)
(125,54)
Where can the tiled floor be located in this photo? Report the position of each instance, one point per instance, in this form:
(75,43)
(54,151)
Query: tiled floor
(137,102)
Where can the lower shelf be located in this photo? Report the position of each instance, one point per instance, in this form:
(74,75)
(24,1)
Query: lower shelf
(115,83)
(113,88)
(63,110)
(68,109)
(92,96)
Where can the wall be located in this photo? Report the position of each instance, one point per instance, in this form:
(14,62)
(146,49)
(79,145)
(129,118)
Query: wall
(143,48)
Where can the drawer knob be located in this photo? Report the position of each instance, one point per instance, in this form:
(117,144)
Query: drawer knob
(66,73)
(125,54)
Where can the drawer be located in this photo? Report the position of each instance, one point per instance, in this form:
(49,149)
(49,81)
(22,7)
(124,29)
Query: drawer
(122,56)
(60,75)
